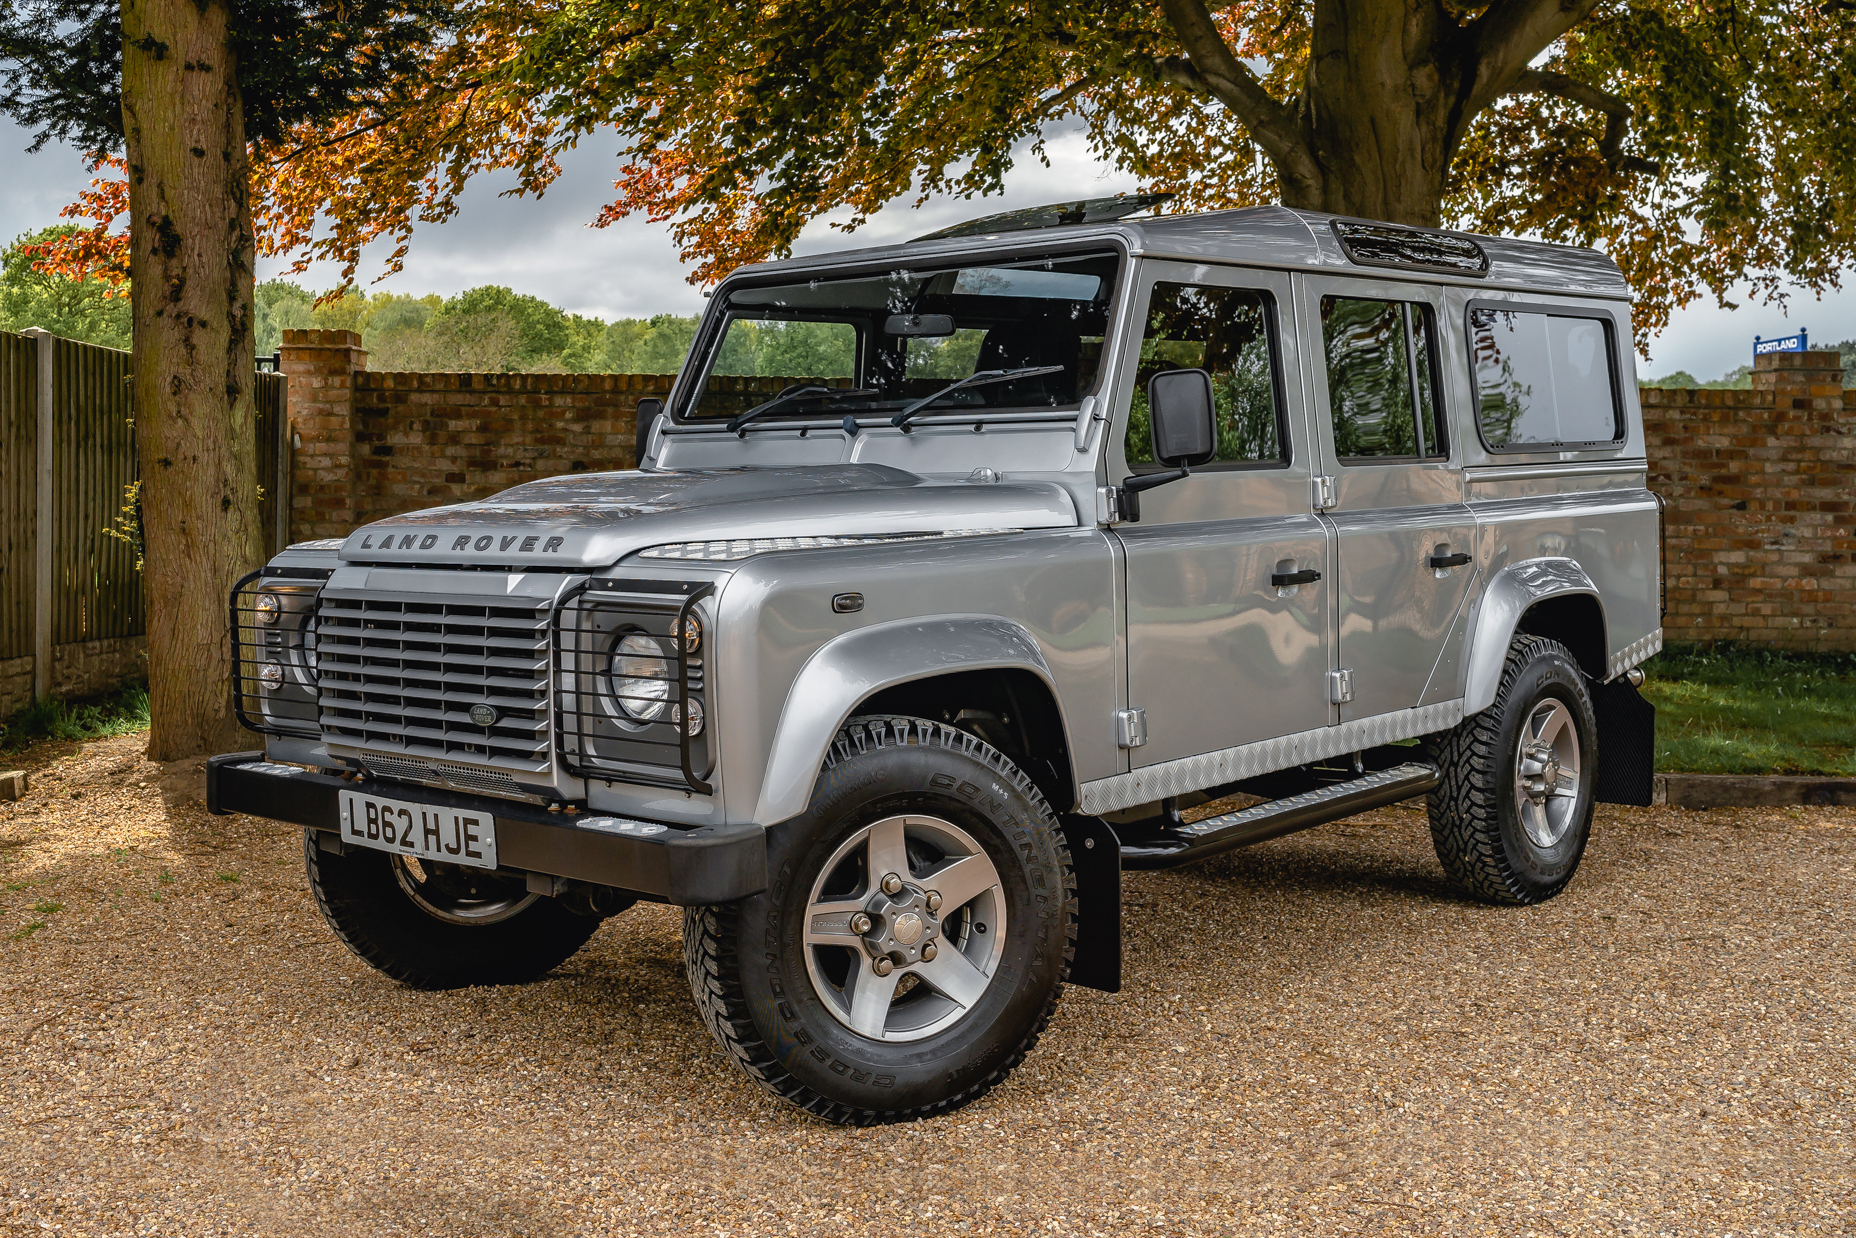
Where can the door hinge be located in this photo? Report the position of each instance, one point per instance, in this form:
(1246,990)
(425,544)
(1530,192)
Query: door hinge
(1340,686)
(1323,492)
(1130,727)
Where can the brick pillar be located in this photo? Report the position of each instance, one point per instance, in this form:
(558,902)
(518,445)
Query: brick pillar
(1799,371)
(320,368)
(1810,581)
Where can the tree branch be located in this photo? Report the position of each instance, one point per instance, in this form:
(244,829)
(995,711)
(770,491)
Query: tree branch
(1617,115)
(1509,35)
(1210,67)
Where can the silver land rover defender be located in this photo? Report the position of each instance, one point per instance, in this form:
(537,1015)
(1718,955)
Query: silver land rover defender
(1076,522)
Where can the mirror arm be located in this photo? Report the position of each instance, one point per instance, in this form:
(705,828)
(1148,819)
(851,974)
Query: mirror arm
(1130,492)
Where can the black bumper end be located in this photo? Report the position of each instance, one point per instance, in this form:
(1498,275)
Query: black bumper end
(688,867)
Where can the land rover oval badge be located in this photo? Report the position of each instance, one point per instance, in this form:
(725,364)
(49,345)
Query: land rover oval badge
(483,715)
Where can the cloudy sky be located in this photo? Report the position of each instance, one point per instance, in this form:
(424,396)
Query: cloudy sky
(544,246)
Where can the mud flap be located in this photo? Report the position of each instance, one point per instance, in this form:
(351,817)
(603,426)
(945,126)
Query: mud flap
(1095,856)
(1626,744)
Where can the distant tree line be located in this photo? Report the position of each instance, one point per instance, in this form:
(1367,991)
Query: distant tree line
(498,330)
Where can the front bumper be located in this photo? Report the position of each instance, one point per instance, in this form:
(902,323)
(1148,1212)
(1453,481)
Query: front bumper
(707,864)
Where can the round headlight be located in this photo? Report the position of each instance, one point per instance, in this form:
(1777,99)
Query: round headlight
(267,608)
(640,678)
(271,676)
(692,633)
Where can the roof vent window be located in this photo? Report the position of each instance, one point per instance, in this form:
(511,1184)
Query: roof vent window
(1386,245)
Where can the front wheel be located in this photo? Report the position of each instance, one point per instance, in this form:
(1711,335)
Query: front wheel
(917,927)
(1512,813)
(440,926)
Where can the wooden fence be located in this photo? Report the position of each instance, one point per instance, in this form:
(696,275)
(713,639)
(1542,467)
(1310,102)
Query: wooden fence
(67,633)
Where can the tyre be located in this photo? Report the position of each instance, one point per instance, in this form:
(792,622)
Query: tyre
(915,934)
(1513,811)
(440,926)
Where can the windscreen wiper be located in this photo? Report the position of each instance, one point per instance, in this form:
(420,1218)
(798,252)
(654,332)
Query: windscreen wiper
(981,379)
(796,391)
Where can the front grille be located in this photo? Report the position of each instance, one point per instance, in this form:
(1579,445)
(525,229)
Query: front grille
(400,678)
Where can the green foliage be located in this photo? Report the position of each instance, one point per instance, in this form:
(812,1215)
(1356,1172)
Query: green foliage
(542,332)
(120,713)
(75,309)
(788,349)
(1730,709)
(126,525)
(654,345)
(298,61)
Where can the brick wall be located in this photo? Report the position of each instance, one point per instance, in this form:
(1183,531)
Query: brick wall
(1758,543)
(1759,483)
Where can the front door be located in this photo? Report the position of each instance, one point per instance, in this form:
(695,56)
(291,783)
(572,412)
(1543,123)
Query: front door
(1218,653)
(1405,540)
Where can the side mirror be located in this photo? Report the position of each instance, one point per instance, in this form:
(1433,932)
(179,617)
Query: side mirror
(1183,420)
(649,410)
(1182,417)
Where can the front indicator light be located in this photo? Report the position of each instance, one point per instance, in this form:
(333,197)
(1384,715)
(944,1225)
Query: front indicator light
(271,676)
(693,717)
(268,608)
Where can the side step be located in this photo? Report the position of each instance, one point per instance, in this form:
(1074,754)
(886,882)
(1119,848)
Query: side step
(1182,844)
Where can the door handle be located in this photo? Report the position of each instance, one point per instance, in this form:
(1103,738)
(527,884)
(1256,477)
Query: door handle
(1282,580)
(1440,562)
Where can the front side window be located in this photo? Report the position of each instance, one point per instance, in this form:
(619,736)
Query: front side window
(898,336)
(1226,332)
(1382,389)
(1543,379)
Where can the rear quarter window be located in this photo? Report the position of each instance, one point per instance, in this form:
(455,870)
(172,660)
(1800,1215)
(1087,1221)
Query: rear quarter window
(1545,377)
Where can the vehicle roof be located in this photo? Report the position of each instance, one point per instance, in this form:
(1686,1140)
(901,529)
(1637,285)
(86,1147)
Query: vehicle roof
(1265,236)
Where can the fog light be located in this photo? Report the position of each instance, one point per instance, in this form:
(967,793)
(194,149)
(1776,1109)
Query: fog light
(271,676)
(692,717)
(268,607)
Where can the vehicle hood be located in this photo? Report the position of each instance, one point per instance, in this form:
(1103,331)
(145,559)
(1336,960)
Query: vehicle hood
(590,520)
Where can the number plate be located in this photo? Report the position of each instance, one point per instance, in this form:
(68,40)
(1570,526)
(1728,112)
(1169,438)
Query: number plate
(444,835)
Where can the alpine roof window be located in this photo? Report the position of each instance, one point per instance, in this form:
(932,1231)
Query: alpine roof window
(878,342)
(1544,378)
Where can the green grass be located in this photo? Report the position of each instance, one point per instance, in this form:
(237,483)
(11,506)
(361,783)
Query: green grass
(120,713)
(1728,709)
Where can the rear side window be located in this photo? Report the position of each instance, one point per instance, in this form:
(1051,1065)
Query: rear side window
(1543,379)
(1382,388)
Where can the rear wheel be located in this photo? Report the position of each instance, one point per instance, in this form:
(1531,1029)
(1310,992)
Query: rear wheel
(1511,817)
(914,937)
(440,926)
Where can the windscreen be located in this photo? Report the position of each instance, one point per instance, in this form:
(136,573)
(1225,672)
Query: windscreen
(878,343)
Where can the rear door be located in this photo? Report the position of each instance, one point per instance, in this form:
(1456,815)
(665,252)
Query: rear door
(1219,655)
(1404,535)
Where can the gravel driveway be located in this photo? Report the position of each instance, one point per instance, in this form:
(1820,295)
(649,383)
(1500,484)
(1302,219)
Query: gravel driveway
(1319,1037)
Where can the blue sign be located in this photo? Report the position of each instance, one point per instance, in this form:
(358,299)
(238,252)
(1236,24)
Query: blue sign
(1785,343)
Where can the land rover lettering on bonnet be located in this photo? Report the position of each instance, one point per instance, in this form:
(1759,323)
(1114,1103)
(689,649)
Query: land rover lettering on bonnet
(1079,521)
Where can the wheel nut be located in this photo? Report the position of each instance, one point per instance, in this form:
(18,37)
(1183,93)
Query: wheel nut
(883,965)
(860,923)
(928,952)
(934,900)
(892,884)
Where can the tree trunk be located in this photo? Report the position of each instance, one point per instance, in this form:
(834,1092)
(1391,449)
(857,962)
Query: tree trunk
(191,297)
(1380,114)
